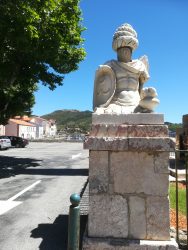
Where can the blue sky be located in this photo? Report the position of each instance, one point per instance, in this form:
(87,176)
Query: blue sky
(162,28)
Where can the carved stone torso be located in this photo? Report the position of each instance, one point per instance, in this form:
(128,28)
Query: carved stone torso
(117,86)
(127,84)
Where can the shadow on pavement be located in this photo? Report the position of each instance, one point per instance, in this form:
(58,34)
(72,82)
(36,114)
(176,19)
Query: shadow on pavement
(55,236)
(11,166)
(179,163)
(56,171)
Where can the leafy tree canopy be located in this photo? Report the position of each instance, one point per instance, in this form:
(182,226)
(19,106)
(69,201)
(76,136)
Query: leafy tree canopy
(173,126)
(40,41)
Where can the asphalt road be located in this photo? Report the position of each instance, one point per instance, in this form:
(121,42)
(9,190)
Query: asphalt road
(35,185)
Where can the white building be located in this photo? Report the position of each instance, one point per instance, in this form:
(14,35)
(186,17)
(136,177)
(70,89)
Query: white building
(16,127)
(44,128)
(39,126)
(53,127)
(30,127)
(2,130)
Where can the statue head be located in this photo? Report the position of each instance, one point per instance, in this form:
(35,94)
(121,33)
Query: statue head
(125,36)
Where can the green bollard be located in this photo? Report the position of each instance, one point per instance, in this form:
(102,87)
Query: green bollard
(74,223)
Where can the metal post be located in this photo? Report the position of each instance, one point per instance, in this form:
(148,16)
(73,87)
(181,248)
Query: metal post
(177,200)
(74,223)
(186,166)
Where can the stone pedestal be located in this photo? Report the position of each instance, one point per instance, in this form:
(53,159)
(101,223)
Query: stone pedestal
(128,183)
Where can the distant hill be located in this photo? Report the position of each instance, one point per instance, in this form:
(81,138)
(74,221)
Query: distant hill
(173,126)
(74,119)
(71,119)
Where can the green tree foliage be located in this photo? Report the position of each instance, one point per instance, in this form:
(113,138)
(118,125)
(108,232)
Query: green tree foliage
(173,126)
(40,41)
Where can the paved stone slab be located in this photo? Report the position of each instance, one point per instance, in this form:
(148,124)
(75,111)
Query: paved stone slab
(140,118)
(110,130)
(133,173)
(137,210)
(106,143)
(108,216)
(161,162)
(98,171)
(132,144)
(151,144)
(158,224)
(123,244)
(147,131)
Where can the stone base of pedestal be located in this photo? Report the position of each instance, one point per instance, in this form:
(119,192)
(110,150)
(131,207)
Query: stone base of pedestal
(128,183)
(124,244)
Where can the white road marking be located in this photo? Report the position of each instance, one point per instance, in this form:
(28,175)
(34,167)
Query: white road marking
(5,206)
(76,156)
(23,191)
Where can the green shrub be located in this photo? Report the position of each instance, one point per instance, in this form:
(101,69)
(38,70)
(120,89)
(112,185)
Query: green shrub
(181,198)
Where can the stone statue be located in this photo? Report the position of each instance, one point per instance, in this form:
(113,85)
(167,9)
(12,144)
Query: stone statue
(118,87)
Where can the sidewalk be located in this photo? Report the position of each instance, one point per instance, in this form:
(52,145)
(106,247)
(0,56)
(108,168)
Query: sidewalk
(84,207)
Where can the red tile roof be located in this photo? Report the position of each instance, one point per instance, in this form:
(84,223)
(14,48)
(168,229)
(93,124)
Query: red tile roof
(20,122)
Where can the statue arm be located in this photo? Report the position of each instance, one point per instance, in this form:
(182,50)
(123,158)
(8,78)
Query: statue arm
(148,95)
(144,76)
(141,84)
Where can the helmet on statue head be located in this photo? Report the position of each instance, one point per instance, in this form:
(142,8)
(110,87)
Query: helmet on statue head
(125,36)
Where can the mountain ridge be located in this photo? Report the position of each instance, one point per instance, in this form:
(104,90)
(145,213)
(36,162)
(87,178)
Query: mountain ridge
(74,118)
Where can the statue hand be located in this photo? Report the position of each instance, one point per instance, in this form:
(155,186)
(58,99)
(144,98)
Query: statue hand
(148,99)
(148,92)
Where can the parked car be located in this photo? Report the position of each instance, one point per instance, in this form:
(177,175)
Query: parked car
(5,142)
(18,142)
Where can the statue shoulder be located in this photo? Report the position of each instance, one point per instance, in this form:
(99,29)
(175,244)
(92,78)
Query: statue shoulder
(104,85)
(110,63)
(144,68)
(145,61)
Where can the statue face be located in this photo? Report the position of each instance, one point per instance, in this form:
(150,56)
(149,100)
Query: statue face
(124,54)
